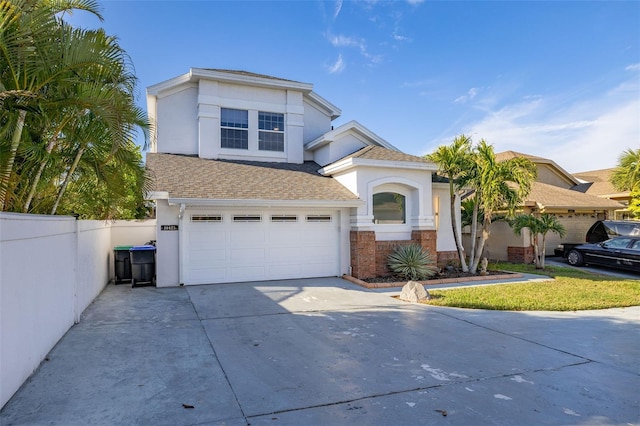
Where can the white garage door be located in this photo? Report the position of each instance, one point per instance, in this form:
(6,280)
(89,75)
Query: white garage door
(241,246)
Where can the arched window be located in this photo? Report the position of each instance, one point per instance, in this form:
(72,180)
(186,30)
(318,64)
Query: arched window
(389,208)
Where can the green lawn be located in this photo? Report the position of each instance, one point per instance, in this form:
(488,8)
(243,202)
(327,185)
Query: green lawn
(570,290)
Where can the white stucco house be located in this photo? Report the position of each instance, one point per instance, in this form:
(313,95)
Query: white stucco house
(252,182)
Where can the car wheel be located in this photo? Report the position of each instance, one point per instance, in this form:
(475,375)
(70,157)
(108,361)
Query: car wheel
(574,258)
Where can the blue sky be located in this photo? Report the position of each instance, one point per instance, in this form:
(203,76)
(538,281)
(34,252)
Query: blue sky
(555,79)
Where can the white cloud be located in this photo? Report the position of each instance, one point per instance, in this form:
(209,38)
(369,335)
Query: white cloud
(633,67)
(472,93)
(344,41)
(398,37)
(355,42)
(337,8)
(338,66)
(415,2)
(588,135)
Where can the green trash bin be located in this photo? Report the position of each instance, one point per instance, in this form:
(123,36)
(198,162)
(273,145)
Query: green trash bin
(122,264)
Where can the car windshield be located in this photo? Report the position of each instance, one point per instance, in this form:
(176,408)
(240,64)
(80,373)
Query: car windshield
(617,243)
(626,229)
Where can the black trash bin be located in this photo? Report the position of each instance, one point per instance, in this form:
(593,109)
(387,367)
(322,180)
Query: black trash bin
(122,264)
(143,265)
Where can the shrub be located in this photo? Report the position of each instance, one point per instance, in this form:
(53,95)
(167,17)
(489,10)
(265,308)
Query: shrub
(412,262)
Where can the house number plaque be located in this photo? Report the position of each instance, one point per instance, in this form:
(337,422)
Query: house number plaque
(168,227)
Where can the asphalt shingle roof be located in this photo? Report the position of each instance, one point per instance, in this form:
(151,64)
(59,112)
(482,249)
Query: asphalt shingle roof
(192,177)
(598,182)
(553,196)
(384,154)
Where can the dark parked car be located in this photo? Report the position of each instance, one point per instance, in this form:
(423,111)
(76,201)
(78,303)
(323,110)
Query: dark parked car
(619,252)
(602,230)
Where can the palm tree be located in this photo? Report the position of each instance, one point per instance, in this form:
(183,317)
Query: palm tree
(79,95)
(626,177)
(498,186)
(454,161)
(538,226)
(35,57)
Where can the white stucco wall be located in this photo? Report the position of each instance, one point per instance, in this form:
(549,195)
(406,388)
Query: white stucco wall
(177,127)
(340,148)
(442,213)
(364,181)
(167,246)
(51,269)
(95,261)
(37,283)
(316,123)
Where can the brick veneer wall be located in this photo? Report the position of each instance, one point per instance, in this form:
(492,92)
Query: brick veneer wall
(446,258)
(520,254)
(369,257)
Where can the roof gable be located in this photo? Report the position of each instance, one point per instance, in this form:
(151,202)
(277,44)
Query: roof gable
(548,170)
(377,156)
(366,135)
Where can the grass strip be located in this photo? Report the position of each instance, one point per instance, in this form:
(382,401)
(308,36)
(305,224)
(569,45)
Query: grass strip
(571,290)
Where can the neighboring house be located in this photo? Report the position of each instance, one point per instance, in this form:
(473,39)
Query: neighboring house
(555,192)
(598,183)
(252,182)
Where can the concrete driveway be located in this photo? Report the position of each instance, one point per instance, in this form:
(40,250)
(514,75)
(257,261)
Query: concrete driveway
(326,352)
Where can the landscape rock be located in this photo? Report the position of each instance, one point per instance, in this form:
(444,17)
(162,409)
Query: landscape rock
(414,292)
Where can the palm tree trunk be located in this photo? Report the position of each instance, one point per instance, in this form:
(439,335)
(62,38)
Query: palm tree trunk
(456,238)
(483,238)
(36,179)
(67,178)
(15,142)
(474,230)
(544,250)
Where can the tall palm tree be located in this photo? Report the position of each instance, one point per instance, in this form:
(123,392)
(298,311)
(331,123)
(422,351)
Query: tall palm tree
(454,162)
(626,177)
(35,57)
(498,186)
(538,226)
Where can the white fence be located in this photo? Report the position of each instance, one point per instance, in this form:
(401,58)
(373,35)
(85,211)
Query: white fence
(51,269)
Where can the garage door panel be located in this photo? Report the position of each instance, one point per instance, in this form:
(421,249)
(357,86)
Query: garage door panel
(316,269)
(318,236)
(285,237)
(318,254)
(248,255)
(235,251)
(249,236)
(285,271)
(201,239)
(241,273)
(207,275)
(283,254)
(205,258)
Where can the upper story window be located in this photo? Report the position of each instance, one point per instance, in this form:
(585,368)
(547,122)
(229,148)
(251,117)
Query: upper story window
(234,128)
(270,131)
(389,208)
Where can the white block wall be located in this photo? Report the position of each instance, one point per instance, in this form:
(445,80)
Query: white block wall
(51,269)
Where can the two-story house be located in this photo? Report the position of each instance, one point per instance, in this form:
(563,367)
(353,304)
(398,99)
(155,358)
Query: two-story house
(252,182)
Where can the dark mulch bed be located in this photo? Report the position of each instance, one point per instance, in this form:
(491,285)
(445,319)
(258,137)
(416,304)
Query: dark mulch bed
(442,275)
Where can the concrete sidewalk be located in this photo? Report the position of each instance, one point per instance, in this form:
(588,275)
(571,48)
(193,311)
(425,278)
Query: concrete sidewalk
(327,352)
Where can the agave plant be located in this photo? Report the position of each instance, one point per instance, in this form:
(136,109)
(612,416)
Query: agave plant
(412,262)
